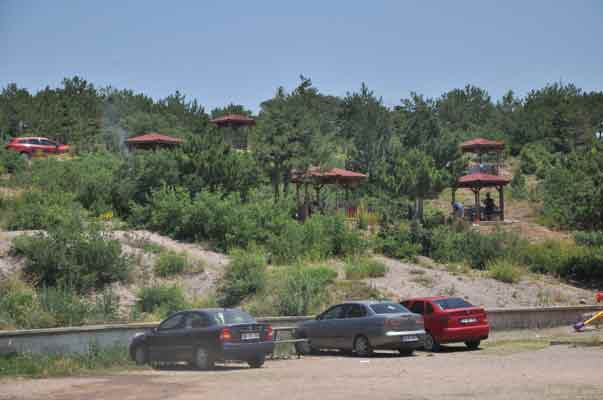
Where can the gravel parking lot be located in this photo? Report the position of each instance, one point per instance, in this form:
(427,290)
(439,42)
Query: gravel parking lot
(518,371)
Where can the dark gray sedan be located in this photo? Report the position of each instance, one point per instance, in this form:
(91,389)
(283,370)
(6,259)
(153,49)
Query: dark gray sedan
(363,326)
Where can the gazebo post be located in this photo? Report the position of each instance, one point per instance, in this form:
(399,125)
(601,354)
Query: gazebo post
(501,202)
(478,210)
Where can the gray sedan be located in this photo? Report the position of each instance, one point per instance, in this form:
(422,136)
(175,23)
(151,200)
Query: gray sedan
(362,326)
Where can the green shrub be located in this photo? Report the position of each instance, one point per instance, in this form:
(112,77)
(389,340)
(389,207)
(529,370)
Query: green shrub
(73,254)
(519,188)
(171,263)
(364,267)
(301,290)
(244,276)
(161,300)
(54,365)
(535,159)
(400,242)
(585,266)
(504,271)
(36,209)
(589,238)
(11,161)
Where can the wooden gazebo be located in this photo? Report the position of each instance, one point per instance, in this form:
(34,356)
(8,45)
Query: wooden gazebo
(481,146)
(152,141)
(478,181)
(235,127)
(317,178)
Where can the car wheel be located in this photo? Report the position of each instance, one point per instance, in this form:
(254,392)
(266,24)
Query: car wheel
(430,344)
(362,346)
(406,352)
(257,362)
(473,344)
(203,359)
(141,355)
(305,348)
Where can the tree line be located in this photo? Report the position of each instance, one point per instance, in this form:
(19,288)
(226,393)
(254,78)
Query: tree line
(410,149)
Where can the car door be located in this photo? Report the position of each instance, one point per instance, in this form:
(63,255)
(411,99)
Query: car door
(431,319)
(162,346)
(196,331)
(324,332)
(354,322)
(47,146)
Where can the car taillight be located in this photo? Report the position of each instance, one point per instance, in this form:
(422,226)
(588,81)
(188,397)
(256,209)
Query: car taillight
(225,335)
(269,333)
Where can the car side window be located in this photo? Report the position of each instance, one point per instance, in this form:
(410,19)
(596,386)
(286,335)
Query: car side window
(333,313)
(418,307)
(196,320)
(174,322)
(46,142)
(428,308)
(33,141)
(356,311)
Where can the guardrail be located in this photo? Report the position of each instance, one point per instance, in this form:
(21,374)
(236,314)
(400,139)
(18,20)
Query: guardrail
(79,339)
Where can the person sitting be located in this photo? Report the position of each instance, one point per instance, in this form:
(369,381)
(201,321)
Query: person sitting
(489,206)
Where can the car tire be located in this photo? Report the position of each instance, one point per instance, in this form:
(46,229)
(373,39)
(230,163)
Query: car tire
(362,346)
(141,355)
(406,352)
(257,362)
(431,344)
(305,348)
(472,344)
(203,359)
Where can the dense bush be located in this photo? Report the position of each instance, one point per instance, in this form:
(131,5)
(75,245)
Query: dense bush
(300,290)
(572,191)
(519,188)
(161,300)
(535,159)
(171,263)
(458,244)
(11,161)
(36,209)
(589,238)
(364,267)
(244,276)
(504,270)
(23,307)
(401,241)
(73,254)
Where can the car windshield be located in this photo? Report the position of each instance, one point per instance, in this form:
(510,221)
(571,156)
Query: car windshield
(452,302)
(229,317)
(388,308)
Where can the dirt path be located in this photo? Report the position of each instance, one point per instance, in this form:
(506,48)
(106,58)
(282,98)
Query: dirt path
(556,372)
(406,280)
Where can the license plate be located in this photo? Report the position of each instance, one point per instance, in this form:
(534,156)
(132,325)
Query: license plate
(410,338)
(468,320)
(250,336)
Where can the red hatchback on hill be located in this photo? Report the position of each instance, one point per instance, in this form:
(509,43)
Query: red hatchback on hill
(36,146)
(450,319)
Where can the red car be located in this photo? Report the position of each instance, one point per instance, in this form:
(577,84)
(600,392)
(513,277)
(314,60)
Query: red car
(36,146)
(450,319)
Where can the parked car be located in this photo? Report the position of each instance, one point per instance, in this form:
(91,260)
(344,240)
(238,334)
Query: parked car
(362,326)
(36,146)
(203,337)
(449,320)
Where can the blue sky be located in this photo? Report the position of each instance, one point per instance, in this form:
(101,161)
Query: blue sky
(240,51)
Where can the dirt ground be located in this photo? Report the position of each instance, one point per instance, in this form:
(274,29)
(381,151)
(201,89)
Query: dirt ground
(404,280)
(498,371)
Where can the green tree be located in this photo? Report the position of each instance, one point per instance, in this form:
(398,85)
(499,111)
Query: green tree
(413,174)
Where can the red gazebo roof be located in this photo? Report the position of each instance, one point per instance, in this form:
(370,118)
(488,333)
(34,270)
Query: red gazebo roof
(333,175)
(478,144)
(236,119)
(154,137)
(479,180)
